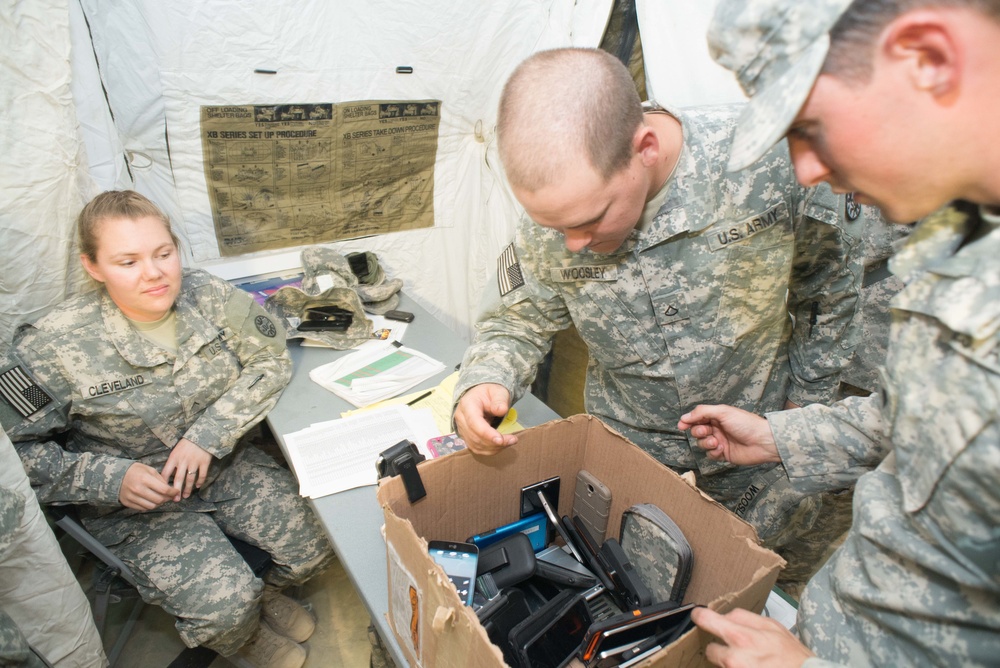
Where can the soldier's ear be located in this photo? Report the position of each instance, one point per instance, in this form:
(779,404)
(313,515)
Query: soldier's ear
(91,268)
(924,43)
(647,144)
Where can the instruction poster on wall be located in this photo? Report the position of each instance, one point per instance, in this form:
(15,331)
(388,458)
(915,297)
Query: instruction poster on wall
(299,174)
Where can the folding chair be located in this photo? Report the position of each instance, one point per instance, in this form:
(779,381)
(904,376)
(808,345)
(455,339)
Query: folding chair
(108,580)
(114,582)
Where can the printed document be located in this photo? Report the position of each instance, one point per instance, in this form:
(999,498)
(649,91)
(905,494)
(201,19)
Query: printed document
(334,456)
(372,374)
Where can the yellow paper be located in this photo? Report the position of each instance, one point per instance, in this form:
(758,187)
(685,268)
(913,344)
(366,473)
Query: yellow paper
(438,399)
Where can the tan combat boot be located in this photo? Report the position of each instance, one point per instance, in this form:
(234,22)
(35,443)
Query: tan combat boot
(267,649)
(286,616)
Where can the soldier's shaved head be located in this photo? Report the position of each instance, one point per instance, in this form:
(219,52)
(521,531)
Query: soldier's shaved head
(563,105)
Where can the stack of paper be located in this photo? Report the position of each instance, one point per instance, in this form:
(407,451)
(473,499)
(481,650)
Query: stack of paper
(372,374)
(330,457)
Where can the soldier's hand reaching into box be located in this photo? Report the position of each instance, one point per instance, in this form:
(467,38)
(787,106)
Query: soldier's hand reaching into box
(476,411)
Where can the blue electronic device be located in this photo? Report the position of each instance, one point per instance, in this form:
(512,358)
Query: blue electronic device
(535,527)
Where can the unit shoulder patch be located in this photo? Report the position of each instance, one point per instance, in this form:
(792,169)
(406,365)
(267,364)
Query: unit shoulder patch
(265,326)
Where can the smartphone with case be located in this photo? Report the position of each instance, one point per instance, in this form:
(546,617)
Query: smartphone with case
(592,504)
(459,561)
(402,316)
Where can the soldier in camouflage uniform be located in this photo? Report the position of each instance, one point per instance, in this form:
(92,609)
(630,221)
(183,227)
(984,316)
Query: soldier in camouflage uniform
(674,272)
(37,586)
(904,84)
(137,401)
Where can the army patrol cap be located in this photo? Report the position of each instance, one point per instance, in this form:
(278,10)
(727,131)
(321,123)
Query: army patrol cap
(777,49)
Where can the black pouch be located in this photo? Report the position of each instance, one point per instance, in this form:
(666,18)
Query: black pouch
(658,551)
(325,317)
(402,459)
(510,561)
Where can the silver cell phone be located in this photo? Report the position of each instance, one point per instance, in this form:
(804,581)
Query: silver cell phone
(459,561)
(592,503)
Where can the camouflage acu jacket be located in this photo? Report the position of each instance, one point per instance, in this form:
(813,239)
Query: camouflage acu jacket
(741,291)
(89,379)
(917,581)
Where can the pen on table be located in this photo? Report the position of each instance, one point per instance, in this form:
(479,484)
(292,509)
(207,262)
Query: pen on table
(422,396)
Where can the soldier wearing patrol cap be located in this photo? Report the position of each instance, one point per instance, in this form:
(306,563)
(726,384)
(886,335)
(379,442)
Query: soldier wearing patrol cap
(138,401)
(896,99)
(674,272)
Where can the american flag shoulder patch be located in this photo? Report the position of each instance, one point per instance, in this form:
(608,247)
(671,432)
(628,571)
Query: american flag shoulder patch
(22,392)
(509,274)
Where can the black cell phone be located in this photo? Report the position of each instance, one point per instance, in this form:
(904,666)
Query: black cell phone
(661,623)
(329,312)
(551,637)
(402,316)
(323,325)
(586,548)
(459,561)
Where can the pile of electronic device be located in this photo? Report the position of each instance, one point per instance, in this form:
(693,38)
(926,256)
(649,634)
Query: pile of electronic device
(607,601)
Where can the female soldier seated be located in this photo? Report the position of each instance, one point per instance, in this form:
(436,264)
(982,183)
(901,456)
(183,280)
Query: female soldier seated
(155,383)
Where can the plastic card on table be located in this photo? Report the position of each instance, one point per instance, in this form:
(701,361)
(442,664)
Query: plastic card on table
(372,374)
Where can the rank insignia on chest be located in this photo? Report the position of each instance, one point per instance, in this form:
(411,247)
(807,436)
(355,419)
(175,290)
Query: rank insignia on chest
(22,393)
(851,207)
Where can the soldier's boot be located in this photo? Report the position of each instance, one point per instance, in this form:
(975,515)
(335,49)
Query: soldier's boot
(286,616)
(267,649)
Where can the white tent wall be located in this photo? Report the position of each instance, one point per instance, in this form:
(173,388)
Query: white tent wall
(44,181)
(679,70)
(160,62)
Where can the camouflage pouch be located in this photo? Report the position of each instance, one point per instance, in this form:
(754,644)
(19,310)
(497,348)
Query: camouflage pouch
(658,551)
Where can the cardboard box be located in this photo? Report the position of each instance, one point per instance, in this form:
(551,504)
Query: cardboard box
(467,494)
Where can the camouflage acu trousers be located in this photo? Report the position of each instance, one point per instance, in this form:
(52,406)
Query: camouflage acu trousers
(184,562)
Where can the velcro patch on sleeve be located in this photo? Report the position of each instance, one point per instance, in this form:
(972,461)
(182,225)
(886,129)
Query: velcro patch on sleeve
(22,392)
(509,274)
